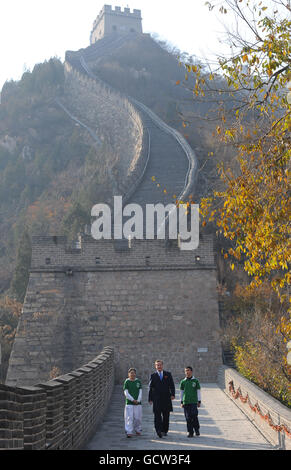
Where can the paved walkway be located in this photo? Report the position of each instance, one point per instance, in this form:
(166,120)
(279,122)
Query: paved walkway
(222,426)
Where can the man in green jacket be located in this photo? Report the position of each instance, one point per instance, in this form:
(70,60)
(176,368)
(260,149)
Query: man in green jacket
(191,401)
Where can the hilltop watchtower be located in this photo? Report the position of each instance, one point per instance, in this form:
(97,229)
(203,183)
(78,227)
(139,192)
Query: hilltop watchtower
(111,21)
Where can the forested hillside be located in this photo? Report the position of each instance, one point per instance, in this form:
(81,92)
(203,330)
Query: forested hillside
(46,163)
(47,160)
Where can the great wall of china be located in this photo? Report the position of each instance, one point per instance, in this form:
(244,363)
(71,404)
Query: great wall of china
(131,304)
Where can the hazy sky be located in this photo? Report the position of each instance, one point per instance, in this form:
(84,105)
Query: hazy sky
(32,31)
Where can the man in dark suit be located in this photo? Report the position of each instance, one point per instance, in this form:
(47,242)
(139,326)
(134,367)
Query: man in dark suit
(161,394)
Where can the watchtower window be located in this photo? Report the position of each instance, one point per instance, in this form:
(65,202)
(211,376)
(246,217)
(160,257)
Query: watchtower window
(114,27)
(132,30)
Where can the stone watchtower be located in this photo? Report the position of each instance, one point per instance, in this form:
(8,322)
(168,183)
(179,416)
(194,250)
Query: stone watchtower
(115,21)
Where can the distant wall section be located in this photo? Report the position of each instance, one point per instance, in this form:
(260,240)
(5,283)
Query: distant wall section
(116,122)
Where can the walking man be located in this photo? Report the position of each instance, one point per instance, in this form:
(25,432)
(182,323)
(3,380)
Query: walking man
(191,401)
(161,394)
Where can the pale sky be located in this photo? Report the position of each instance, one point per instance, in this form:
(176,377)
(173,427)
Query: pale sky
(32,31)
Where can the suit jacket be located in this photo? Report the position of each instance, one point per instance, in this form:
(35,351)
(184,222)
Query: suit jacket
(160,391)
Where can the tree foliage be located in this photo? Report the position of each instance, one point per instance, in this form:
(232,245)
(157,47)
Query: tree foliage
(42,156)
(75,220)
(253,208)
(10,311)
(258,331)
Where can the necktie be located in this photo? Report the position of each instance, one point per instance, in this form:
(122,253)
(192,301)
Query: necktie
(161,377)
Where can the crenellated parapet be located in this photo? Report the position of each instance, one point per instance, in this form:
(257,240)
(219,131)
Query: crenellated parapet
(110,21)
(59,414)
(80,299)
(53,253)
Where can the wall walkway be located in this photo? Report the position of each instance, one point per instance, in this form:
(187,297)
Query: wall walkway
(222,427)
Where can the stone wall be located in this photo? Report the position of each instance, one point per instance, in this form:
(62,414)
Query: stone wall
(116,122)
(62,413)
(150,301)
(271,417)
(51,253)
(192,173)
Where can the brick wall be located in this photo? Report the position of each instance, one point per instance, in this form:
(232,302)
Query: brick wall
(266,413)
(108,255)
(116,122)
(62,413)
(109,21)
(150,301)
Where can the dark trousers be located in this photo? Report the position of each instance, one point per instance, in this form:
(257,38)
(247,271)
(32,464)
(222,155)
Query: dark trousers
(191,415)
(162,421)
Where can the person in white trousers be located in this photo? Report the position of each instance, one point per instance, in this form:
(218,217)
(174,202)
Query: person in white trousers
(132,389)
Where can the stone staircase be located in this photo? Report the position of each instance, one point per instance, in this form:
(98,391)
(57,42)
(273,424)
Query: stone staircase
(171,161)
(103,47)
(228,357)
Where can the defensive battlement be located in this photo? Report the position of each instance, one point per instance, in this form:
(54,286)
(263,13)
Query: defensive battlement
(117,11)
(54,253)
(115,20)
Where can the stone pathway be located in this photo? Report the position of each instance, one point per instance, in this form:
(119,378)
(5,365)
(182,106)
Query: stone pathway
(222,426)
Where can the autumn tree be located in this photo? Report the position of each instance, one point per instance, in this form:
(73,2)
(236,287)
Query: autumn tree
(250,207)
(252,210)
(258,331)
(75,220)
(10,311)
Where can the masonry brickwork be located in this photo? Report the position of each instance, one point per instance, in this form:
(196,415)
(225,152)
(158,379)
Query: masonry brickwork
(152,300)
(59,414)
(115,121)
(115,20)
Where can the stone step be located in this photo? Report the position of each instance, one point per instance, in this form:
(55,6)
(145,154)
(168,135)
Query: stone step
(168,162)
